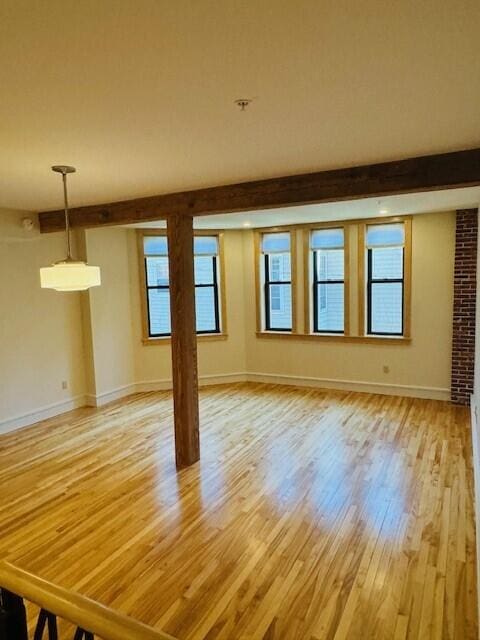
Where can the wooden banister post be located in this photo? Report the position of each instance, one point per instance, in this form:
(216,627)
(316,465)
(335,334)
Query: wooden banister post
(184,339)
(13,617)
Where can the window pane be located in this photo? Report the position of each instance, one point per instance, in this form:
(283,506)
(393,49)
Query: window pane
(203,269)
(387,263)
(280,310)
(205,308)
(279,267)
(157,271)
(330,307)
(330,264)
(276,298)
(327,238)
(275,242)
(386,311)
(155,245)
(385,234)
(159,311)
(205,245)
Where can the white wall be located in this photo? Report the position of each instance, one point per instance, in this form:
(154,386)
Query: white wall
(421,368)
(109,315)
(122,363)
(94,339)
(41,341)
(215,358)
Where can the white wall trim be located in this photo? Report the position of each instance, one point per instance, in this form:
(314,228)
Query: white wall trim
(163,384)
(433,393)
(42,413)
(476,482)
(109,396)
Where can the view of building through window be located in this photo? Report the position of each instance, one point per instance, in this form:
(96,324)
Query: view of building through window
(206,285)
(277,289)
(328,280)
(384,281)
(385,273)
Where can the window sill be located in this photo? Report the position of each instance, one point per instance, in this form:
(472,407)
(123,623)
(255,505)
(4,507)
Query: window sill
(208,337)
(335,337)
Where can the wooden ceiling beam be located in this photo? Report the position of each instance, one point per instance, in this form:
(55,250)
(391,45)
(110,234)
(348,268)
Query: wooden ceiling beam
(425,173)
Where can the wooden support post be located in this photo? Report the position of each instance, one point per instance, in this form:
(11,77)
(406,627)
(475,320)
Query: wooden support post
(184,339)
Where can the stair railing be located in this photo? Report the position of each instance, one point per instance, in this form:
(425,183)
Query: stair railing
(89,617)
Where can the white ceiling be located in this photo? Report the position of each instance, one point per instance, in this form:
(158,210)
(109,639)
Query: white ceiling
(411,203)
(138,94)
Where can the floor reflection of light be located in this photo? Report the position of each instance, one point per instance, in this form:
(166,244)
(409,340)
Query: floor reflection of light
(329,477)
(332,483)
(387,486)
(308,468)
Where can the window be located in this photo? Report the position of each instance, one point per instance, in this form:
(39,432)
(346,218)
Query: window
(385,244)
(206,265)
(328,260)
(379,264)
(277,300)
(276,269)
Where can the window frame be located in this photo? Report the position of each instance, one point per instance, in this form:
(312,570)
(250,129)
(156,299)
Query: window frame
(309,280)
(218,286)
(261,285)
(148,288)
(354,285)
(365,281)
(371,281)
(267,292)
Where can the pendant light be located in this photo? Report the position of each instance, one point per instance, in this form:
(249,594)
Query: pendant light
(68,274)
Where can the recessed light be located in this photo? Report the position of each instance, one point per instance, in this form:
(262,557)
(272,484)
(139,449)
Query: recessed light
(247,224)
(383,212)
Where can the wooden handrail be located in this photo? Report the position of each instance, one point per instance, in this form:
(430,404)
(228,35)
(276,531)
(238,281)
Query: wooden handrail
(83,612)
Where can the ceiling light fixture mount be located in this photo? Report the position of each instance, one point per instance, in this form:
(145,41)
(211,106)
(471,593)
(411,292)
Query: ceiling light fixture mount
(243,103)
(68,274)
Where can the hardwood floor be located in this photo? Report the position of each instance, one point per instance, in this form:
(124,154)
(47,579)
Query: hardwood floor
(311,515)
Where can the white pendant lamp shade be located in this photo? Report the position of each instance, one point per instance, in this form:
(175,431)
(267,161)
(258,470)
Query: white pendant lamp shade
(69,274)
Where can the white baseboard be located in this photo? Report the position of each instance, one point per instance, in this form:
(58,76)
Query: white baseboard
(476,481)
(42,413)
(163,384)
(109,396)
(432,393)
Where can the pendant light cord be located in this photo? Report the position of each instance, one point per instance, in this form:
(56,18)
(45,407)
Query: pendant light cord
(67,219)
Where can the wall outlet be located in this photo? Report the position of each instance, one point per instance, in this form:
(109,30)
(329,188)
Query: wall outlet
(64,384)
(386,368)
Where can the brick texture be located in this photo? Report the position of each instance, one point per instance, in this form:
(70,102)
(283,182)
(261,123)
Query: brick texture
(464,297)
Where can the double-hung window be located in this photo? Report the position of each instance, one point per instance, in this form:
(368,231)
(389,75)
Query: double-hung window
(157,284)
(206,284)
(207,303)
(328,260)
(276,267)
(385,250)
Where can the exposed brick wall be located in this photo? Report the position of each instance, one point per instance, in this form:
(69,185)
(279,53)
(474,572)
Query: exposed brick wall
(464,296)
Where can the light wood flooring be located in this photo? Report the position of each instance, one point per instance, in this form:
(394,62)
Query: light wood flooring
(312,514)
